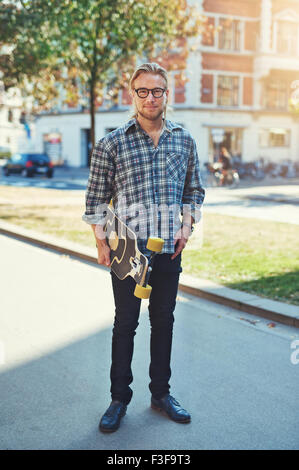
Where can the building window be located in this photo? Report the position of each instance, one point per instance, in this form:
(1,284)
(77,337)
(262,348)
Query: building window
(229,34)
(228,91)
(287,38)
(275,137)
(276,95)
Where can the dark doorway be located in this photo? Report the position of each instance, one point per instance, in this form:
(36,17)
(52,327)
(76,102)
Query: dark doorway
(86,147)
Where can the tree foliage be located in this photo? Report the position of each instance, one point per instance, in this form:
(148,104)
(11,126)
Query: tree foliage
(86,45)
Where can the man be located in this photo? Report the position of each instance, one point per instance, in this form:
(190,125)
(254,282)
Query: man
(150,161)
(225,160)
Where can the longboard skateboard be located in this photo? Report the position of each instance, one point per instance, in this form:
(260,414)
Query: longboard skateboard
(125,257)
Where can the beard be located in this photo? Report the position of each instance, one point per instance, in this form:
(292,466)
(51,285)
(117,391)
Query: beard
(151,116)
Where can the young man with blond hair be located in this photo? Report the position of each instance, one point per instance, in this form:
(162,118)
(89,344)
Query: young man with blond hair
(150,162)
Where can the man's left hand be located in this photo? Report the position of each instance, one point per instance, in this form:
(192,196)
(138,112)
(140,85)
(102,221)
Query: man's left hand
(180,240)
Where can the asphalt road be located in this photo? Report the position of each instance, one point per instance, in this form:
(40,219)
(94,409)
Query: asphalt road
(62,179)
(234,372)
(275,203)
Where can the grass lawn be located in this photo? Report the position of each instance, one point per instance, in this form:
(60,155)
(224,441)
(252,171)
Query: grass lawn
(251,255)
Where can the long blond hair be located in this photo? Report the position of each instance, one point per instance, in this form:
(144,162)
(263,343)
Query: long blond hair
(149,67)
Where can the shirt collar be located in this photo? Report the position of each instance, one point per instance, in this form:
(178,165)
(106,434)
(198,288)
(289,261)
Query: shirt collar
(169,125)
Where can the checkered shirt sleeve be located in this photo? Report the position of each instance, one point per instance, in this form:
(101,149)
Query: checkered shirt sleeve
(193,193)
(100,181)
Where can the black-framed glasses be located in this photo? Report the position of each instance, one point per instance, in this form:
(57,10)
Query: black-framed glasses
(144,92)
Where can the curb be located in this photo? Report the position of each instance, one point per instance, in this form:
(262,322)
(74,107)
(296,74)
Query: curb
(269,309)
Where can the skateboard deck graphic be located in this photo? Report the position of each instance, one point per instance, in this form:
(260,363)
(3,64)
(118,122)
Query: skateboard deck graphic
(126,259)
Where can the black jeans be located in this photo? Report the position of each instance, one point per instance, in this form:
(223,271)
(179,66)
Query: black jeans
(164,280)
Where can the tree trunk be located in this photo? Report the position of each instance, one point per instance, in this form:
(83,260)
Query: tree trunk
(92,115)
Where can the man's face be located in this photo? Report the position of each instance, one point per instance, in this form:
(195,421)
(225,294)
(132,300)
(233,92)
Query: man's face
(150,108)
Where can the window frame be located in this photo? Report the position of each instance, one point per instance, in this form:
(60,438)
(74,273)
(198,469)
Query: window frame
(292,40)
(231,31)
(234,89)
(269,142)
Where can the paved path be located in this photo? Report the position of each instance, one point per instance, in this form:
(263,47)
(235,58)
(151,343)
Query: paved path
(277,203)
(231,370)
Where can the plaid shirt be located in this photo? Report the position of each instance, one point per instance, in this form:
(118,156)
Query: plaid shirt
(149,187)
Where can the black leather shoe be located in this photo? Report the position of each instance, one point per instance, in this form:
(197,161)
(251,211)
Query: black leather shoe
(111,418)
(172,408)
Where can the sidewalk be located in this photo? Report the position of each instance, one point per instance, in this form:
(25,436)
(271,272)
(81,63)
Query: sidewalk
(278,203)
(234,373)
(270,309)
(286,193)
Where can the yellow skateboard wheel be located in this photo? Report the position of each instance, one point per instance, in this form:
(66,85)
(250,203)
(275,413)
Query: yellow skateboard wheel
(142,292)
(155,244)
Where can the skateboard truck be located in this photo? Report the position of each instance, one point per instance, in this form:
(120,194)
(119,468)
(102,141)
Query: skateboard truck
(155,245)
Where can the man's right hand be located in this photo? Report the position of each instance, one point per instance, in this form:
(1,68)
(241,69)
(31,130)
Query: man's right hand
(103,247)
(103,254)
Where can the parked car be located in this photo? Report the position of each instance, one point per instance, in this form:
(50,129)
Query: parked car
(29,164)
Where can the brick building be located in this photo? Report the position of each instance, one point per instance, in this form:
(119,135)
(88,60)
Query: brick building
(239,79)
